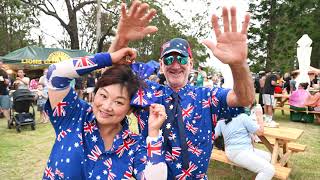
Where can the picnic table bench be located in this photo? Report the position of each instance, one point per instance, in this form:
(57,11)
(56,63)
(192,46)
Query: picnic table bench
(280,171)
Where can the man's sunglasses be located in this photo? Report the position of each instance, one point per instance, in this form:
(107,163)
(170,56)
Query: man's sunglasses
(180,59)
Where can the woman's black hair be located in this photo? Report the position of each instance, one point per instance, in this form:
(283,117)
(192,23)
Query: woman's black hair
(123,75)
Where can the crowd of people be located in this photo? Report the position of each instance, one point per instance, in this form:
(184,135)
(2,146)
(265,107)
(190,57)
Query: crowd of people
(286,88)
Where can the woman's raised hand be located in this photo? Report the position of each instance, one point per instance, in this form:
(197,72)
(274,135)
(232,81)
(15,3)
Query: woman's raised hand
(123,56)
(157,116)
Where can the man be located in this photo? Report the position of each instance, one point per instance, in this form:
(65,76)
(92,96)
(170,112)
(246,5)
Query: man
(4,97)
(192,111)
(268,95)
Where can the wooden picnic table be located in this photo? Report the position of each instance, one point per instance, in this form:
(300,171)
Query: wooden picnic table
(279,148)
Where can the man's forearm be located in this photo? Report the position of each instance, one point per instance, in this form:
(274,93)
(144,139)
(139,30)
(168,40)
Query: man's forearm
(117,44)
(243,84)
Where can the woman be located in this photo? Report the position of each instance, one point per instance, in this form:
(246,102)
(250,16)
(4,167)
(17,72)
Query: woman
(238,144)
(21,81)
(94,142)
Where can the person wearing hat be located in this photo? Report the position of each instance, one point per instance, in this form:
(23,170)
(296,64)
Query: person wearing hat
(192,111)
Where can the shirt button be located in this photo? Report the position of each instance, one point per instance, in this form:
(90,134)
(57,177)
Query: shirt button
(100,157)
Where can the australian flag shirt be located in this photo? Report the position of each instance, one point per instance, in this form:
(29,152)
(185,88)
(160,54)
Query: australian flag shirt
(201,108)
(79,151)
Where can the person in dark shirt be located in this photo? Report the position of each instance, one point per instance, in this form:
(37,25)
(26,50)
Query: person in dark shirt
(4,97)
(268,94)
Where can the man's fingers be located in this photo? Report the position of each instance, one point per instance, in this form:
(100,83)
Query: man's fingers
(148,16)
(123,10)
(142,10)
(134,7)
(245,24)
(233,19)
(215,24)
(225,17)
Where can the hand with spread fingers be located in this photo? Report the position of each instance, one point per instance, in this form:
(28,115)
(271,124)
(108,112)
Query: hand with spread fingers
(231,47)
(133,25)
(157,116)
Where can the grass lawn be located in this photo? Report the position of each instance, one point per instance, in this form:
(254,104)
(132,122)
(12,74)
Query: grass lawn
(24,155)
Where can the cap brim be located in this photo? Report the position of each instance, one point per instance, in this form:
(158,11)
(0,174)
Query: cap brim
(177,51)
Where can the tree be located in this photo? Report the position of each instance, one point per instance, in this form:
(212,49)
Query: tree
(276,27)
(15,25)
(73,6)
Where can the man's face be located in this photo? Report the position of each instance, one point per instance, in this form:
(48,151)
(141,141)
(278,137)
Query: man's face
(176,74)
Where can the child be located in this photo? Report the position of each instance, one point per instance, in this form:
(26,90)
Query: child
(42,99)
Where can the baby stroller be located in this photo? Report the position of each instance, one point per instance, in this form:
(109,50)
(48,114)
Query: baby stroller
(19,113)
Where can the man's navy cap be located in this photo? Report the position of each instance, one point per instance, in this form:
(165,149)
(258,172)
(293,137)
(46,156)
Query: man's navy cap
(178,45)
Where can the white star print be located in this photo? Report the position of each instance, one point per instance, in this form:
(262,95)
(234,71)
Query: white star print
(168,126)
(130,152)
(98,177)
(76,144)
(178,166)
(105,172)
(135,171)
(67,160)
(149,95)
(94,138)
(171,107)
(69,149)
(153,87)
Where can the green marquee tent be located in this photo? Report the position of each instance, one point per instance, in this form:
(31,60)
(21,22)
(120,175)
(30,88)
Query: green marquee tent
(32,57)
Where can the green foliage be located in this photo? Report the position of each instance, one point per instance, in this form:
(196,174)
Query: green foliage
(276,27)
(15,25)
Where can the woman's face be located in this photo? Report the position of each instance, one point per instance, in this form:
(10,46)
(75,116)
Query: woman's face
(111,104)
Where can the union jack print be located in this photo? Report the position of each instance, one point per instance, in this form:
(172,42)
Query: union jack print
(201,176)
(154,148)
(195,150)
(128,173)
(126,134)
(206,103)
(192,95)
(111,175)
(140,121)
(169,157)
(176,152)
(188,172)
(191,128)
(158,93)
(140,98)
(89,127)
(95,153)
(84,62)
(125,146)
(108,163)
(144,159)
(48,173)
(187,112)
(59,173)
(214,119)
(215,100)
(63,134)
(59,109)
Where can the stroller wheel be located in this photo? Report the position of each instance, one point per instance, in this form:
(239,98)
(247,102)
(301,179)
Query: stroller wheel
(33,126)
(18,128)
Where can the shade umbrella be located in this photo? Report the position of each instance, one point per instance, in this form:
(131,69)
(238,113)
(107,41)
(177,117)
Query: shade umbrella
(304,53)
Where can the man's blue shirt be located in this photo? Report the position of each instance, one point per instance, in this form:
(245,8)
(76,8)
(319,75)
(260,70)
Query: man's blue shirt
(201,108)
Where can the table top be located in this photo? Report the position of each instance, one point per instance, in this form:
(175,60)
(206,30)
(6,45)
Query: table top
(284,133)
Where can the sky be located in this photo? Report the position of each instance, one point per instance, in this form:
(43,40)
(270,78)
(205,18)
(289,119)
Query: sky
(51,30)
